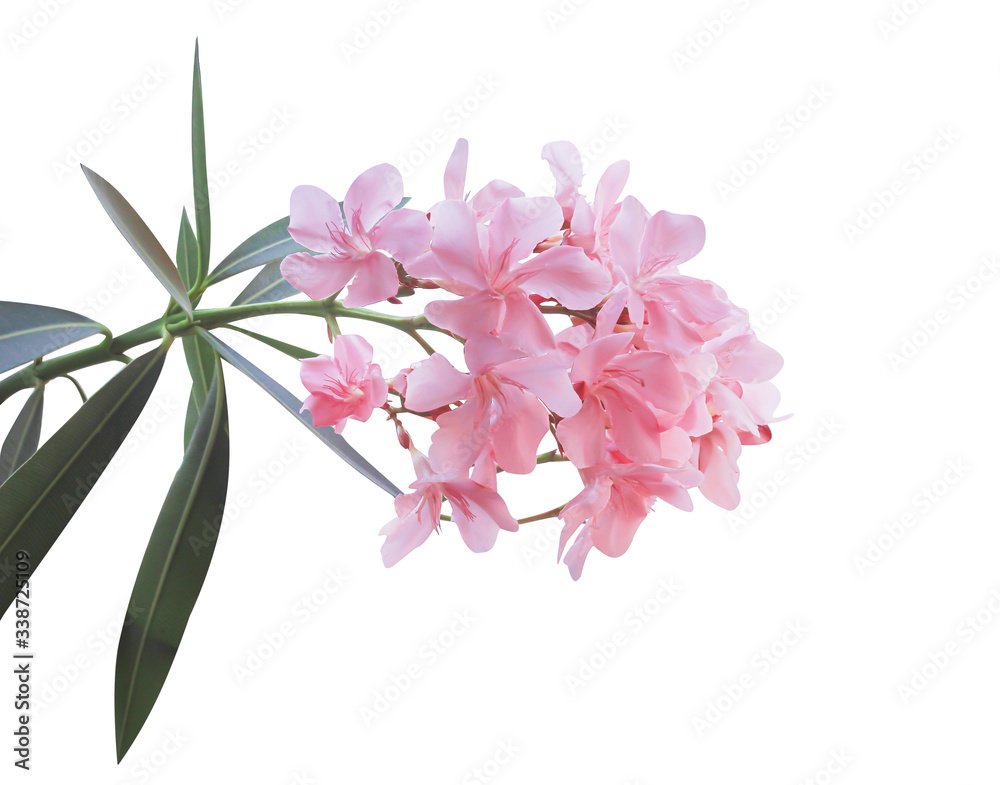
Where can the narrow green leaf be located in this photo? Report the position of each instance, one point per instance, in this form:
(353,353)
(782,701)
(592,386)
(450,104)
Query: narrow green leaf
(187,253)
(22,441)
(173,569)
(331,438)
(139,236)
(42,496)
(297,352)
(270,244)
(28,332)
(202,216)
(190,419)
(201,364)
(268,286)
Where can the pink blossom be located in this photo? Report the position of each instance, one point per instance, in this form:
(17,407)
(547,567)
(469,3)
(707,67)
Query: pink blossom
(616,498)
(484,265)
(476,509)
(345,386)
(621,390)
(505,398)
(363,247)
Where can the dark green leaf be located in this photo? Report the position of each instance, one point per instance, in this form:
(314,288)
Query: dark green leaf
(22,441)
(285,348)
(270,244)
(332,439)
(187,253)
(173,569)
(190,419)
(30,331)
(202,217)
(39,499)
(201,359)
(139,236)
(268,286)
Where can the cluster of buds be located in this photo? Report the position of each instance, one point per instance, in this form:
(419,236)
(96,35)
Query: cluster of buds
(579,331)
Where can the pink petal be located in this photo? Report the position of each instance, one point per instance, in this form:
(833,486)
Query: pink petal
(373,194)
(417,517)
(610,313)
(610,187)
(567,167)
(454,172)
(717,456)
(460,440)
(634,428)
(625,237)
(315,372)
(484,352)
(468,317)
(493,193)
(519,224)
(567,275)
(405,234)
(583,436)
(488,510)
(455,243)
(312,209)
(671,239)
(595,357)
(523,424)
(377,280)
(524,326)
(747,359)
(577,554)
(614,528)
(662,384)
(318,276)
(434,383)
(547,377)
(353,352)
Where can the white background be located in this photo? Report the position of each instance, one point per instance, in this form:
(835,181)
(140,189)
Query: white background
(869,439)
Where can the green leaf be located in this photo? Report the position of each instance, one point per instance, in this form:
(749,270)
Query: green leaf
(139,236)
(297,352)
(39,499)
(202,216)
(270,244)
(190,419)
(187,253)
(22,441)
(173,569)
(268,286)
(331,438)
(28,332)
(201,359)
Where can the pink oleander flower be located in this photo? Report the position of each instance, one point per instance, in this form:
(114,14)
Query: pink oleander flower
(646,251)
(476,509)
(487,198)
(589,225)
(504,400)
(358,244)
(617,496)
(347,386)
(490,267)
(621,391)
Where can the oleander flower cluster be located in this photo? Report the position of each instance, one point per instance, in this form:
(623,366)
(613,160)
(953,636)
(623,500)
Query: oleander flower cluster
(583,341)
